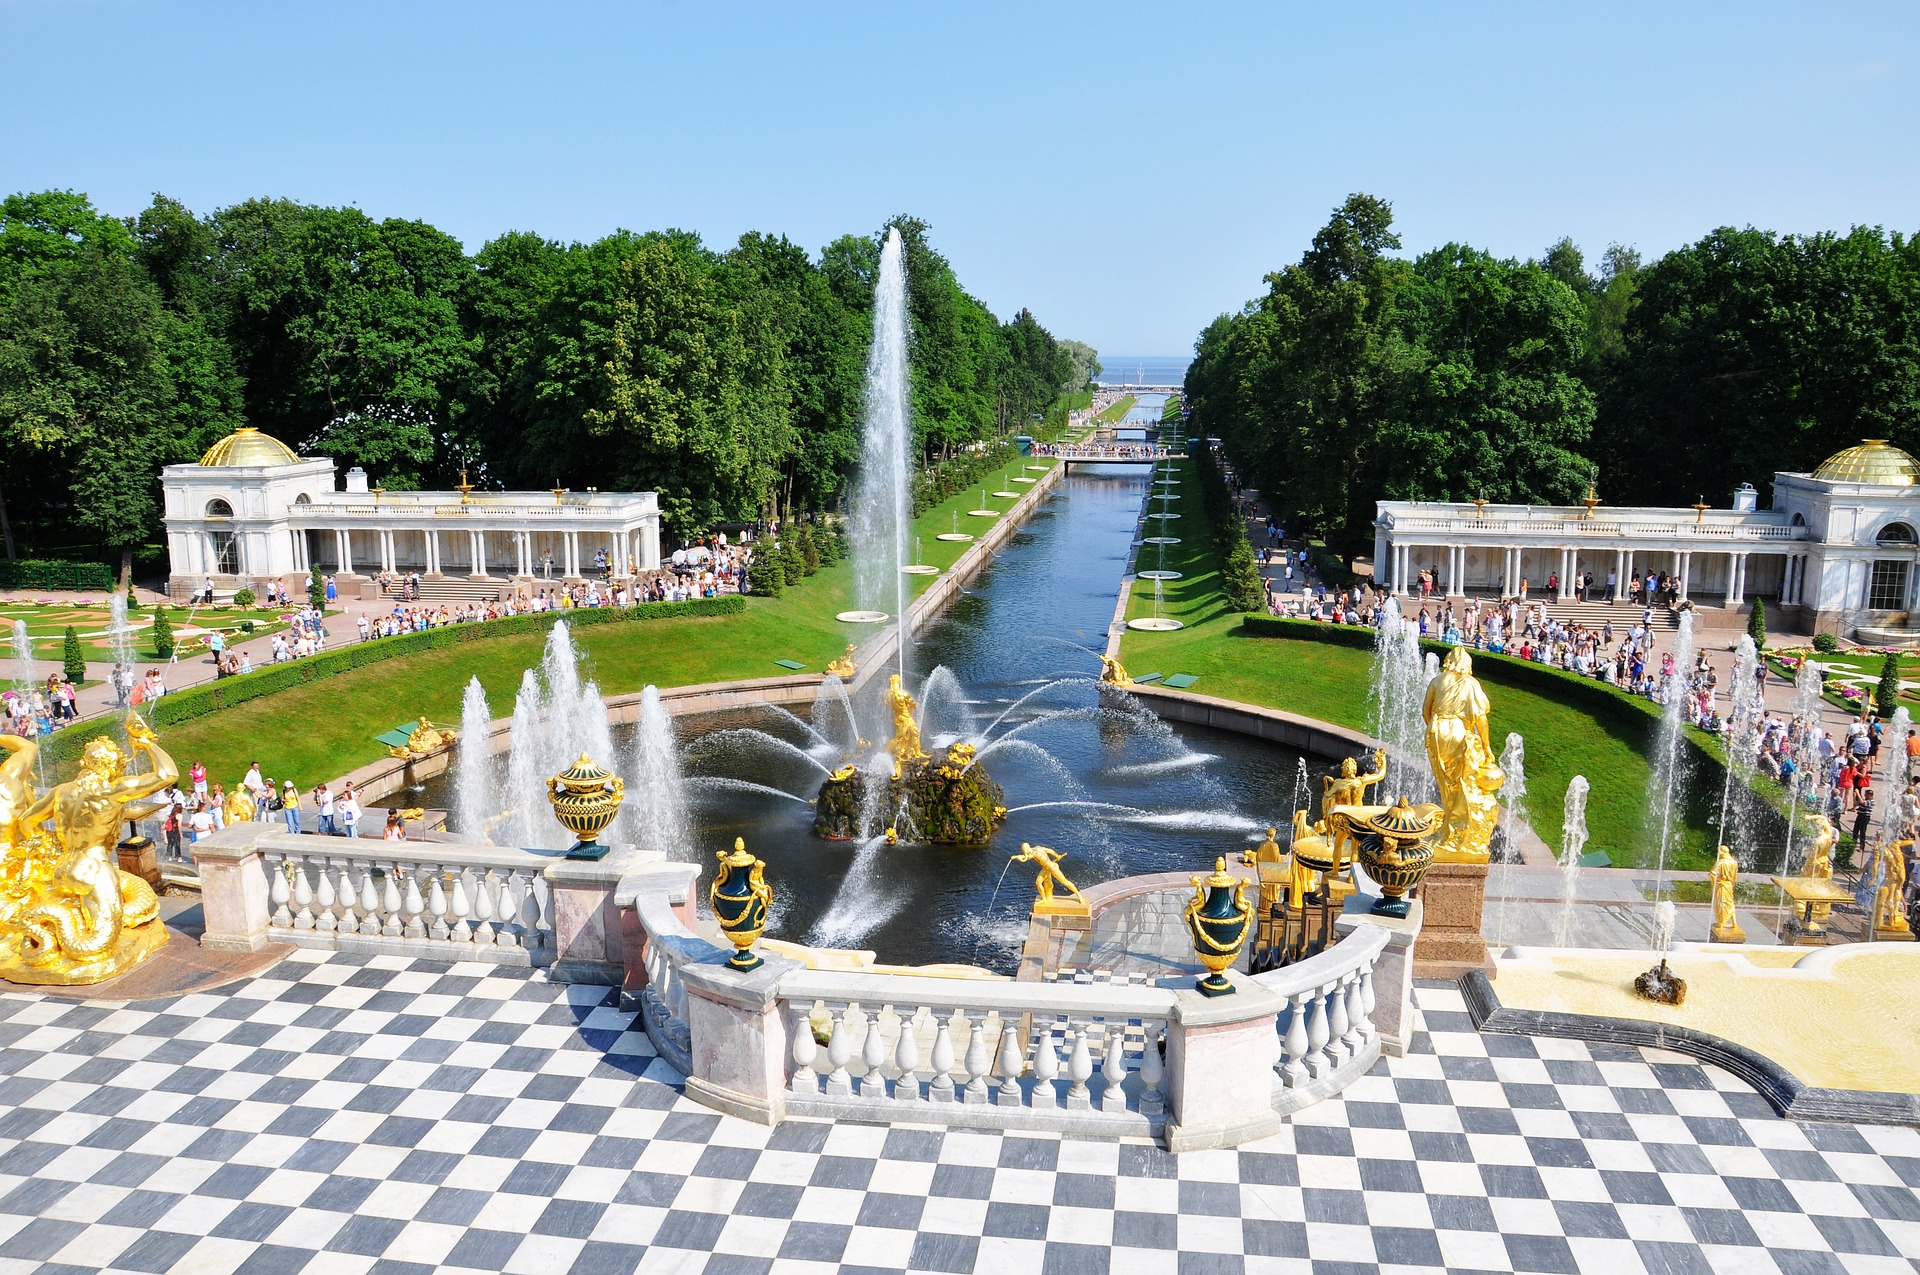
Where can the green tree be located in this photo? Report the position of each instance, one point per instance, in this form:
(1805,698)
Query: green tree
(809,549)
(1757,625)
(1243,587)
(73,657)
(767,573)
(1886,694)
(162,633)
(316,590)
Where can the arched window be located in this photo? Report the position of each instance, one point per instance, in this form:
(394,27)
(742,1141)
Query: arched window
(219,509)
(1895,533)
(1799,520)
(303,499)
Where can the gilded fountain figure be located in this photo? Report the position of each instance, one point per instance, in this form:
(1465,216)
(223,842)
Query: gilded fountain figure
(949,800)
(70,915)
(1463,762)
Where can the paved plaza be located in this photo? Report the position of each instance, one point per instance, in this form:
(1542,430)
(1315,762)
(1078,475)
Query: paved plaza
(343,1114)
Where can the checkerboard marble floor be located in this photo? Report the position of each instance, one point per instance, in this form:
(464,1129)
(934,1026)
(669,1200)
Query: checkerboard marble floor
(340,1115)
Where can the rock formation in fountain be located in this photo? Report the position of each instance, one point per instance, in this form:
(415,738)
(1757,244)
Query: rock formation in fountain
(946,800)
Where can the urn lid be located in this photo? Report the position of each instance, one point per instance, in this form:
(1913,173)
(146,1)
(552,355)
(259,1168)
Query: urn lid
(1403,821)
(740,858)
(582,776)
(1221,878)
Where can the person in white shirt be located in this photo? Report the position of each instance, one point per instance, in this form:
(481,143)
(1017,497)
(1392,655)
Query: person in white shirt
(201,823)
(348,809)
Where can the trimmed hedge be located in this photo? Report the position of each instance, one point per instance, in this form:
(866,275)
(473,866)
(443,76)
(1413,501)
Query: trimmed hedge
(54,573)
(198,701)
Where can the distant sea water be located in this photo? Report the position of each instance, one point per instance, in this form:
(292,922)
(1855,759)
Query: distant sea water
(1144,369)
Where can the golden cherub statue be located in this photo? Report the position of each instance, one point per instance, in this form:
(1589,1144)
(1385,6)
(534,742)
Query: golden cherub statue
(905,745)
(1112,673)
(843,667)
(424,739)
(1726,873)
(88,921)
(1463,762)
(1048,876)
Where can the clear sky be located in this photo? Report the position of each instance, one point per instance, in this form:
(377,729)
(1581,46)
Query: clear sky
(1128,171)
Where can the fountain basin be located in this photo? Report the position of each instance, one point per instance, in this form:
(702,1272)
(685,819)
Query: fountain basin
(920,569)
(1005,495)
(1164,517)
(1159,540)
(862,617)
(1155,624)
(957,537)
(1160,575)
(983,513)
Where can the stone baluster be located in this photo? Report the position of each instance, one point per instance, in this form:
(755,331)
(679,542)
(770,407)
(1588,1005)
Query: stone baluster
(1113,1070)
(415,906)
(369,902)
(327,900)
(345,893)
(839,1049)
(676,997)
(1355,1037)
(906,1057)
(1153,1071)
(1079,1071)
(978,1062)
(279,892)
(483,913)
(1294,1070)
(436,903)
(940,1088)
(1368,1027)
(506,930)
(805,1049)
(1318,1064)
(302,898)
(532,913)
(1011,1063)
(1337,1024)
(873,1054)
(459,908)
(391,904)
(1046,1066)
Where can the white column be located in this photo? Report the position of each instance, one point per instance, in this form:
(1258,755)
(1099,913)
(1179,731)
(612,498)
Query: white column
(1457,575)
(1686,563)
(346,552)
(524,550)
(1628,572)
(433,553)
(573,554)
(1619,575)
(1736,579)
(1399,552)
(477,549)
(386,551)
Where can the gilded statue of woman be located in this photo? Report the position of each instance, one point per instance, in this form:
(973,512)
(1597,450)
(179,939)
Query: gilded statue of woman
(1463,761)
(1725,875)
(91,921)
(905,746)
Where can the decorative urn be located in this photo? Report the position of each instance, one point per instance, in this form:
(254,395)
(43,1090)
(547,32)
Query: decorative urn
(740,897)
(585,799)
(1395,850)
(1218,918)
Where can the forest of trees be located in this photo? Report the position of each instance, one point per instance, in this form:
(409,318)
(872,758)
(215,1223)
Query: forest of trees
(1361,376)
(729,381)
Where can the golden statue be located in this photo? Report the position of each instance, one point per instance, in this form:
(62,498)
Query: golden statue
(843,774)
(1889,919)
(1271,861)
(1112,673)
(88,920)
(959,758)
(1048,876)
(1726,872)
(905,746)
(424,739)
(1312,851)
(843,667)
(1819,865)
(239,807)
(1349,787)
(29,861)
(1463,762)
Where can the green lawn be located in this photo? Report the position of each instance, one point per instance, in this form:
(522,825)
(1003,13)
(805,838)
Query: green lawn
(47,627)
(1118,411)
(1329,682)
(326,728)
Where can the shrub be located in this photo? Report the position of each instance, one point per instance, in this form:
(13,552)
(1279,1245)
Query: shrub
(1825,643)
(317,590)
(766,574)
(55,573)
(133,599)
(1886,696)
(809,551)
(73,658)
(244,598)
(793,563)
(831,544)
(1757,625)
(1244,589)
(162,634)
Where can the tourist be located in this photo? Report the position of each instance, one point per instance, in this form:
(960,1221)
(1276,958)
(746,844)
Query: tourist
(1863,818)
(197,773)
(323,803)
(348,808)
(217,803)
(170,828)
(396,829)
(200,822)
(290,806)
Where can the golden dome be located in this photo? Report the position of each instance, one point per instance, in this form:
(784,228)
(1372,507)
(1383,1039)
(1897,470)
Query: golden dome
(248,446)
(1874,461)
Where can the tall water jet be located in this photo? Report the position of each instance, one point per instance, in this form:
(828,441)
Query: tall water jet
(1741,735)
(1396,692)
(1900,772)
(1513,813)
(657,795)
(882,505)
(556,718)
(1670,762)
(476,788)
(22,660)
(1573,843)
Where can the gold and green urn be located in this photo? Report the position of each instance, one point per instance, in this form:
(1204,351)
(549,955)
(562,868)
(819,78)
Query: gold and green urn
(1396,848)
(1218,918)
(740,897)
(585,799)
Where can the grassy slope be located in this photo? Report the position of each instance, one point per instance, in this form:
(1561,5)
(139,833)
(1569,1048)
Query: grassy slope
(325,729)
(1329,682)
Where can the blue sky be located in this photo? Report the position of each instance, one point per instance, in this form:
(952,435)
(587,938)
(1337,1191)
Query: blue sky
(1128,171)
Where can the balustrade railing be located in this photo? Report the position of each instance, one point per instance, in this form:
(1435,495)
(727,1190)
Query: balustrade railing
(425,899)
(1557,527)
(1327,1035)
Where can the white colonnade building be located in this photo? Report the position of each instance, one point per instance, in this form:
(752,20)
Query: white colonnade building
(1839,548)
(252,510)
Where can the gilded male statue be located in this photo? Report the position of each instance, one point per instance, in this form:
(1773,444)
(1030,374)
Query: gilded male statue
(1050,873)
(1463,761)
(91,921)
(905,745)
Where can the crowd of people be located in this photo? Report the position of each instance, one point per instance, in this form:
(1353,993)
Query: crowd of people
(203,807)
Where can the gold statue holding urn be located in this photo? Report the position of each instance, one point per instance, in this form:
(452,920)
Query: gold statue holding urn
(1463,762)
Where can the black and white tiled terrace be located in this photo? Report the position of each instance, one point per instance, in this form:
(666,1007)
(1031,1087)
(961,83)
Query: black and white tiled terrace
(340,1114)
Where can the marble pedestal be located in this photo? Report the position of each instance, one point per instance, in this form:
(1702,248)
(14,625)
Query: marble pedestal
(1450,943)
